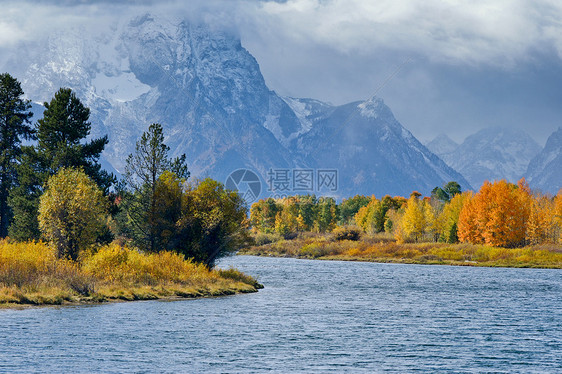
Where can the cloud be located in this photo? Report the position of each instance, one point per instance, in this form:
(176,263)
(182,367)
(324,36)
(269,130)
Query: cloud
(467,60)
(476,32)
(500,33)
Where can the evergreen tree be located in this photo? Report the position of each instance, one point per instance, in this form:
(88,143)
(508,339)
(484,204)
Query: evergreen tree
(24,197)
(14,125)
(349,208)
(61,135)
(142,171)
(446,193)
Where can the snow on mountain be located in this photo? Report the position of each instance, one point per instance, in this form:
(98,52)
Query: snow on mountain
(490,154)
(442,145)
(211,98)
(545,170)
(374,153)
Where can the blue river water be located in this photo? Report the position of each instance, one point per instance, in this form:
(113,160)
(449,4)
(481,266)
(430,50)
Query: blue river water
(311,317)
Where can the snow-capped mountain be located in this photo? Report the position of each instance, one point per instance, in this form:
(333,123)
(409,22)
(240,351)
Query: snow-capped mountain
(545,170)
(373,152)
(490,154)
(211,98)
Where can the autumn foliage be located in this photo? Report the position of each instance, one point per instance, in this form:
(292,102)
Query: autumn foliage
(502,214)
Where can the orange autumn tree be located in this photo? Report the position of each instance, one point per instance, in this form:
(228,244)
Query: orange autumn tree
(467,229)
(497,215)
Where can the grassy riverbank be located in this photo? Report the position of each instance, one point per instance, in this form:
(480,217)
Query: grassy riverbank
(385,249)
(31,273)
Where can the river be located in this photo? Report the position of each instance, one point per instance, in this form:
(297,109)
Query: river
(311,317)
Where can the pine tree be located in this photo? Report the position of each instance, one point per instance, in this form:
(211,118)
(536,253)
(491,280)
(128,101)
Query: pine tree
(14,126)
(142,171)
(61,135)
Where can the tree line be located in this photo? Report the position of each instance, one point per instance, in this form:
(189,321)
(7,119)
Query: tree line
(500,214)
(55,189)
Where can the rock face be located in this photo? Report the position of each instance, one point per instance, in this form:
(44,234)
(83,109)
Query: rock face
(490,154)
(211,98)
(545,170)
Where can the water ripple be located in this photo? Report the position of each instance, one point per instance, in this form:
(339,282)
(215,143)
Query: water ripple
(312,317)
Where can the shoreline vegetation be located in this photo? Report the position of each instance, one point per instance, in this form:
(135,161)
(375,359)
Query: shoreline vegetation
(383,248)
(71,232)
(501,224)
(32,274)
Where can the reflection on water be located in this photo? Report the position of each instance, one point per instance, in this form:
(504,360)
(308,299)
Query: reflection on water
(313,316)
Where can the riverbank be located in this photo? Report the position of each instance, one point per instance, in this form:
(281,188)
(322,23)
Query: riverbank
(31,274)
(384,249)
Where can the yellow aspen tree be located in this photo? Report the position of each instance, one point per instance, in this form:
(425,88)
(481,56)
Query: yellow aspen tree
(448,220)
(361,217)
(558,215)
(431,216)
(414,219)
(541,223)
(396,217)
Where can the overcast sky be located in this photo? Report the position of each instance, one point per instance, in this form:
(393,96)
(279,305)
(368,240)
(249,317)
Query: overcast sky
(442,66)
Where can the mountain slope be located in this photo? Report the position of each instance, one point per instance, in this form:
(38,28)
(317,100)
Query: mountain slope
(374,153)
(442,145)
(491,154)
(545,170)
(211,98)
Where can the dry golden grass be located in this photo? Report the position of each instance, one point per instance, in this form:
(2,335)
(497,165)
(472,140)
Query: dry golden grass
(31,273)
(381,248)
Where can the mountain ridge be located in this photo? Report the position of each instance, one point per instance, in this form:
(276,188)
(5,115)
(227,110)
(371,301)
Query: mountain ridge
(489,154)
(208,93)
(544,170)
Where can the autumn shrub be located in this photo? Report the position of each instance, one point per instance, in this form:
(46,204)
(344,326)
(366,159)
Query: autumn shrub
(34,267)
(238,276)
(32,273)
(263,238)
(313,250)
(347,233)
(114,263)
